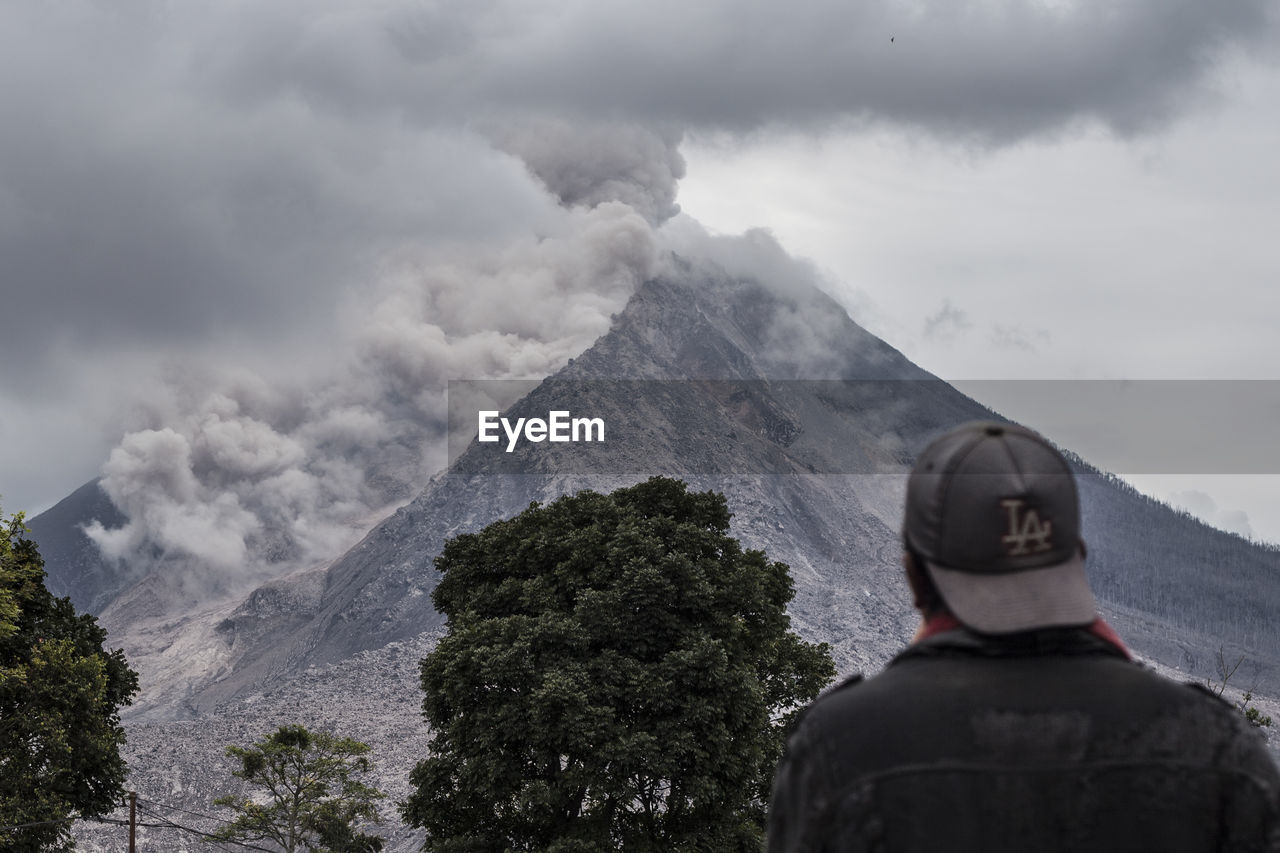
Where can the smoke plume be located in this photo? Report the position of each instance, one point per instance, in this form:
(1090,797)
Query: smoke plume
(237,479)
(586,163)
(321,211)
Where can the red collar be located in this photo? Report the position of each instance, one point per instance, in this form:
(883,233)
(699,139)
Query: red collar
(941,622)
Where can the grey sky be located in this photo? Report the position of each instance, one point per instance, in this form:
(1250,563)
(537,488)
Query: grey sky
(1084,255)
(994,69)
(319,193)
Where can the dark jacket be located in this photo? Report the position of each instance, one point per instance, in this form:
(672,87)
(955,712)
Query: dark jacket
(1048,741)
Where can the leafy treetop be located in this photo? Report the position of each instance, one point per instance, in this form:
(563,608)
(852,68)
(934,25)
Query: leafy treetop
(60,697)
(313,798)
(617,674)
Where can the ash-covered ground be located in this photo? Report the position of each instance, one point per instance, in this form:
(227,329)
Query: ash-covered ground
(180,766)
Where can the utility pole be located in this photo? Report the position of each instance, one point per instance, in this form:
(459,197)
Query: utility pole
(133,821)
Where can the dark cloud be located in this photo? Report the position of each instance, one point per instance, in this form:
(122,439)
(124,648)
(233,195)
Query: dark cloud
(996,70)
(168,171)
(257,225)
(585,163)
(433,190)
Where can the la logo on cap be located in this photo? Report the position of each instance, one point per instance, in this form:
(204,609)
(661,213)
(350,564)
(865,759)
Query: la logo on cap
(1027,533)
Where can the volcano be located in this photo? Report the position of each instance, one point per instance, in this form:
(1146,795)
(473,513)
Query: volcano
(769,394)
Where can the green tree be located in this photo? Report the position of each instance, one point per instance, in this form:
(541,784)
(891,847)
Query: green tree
(618,674)
(313,798)
(60,697)
(1251,713)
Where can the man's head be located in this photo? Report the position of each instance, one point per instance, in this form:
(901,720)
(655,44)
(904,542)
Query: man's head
(994,516)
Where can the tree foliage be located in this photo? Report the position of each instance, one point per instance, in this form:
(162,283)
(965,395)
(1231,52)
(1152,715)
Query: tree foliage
(60,697)
(313,798)
(1251,713)
(618,674)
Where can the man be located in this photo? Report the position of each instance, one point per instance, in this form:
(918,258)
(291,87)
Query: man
(1016,720)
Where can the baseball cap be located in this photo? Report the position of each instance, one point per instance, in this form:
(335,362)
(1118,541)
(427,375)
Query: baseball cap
(993,510)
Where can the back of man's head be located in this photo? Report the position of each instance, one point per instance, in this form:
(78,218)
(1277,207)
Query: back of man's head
(994,514)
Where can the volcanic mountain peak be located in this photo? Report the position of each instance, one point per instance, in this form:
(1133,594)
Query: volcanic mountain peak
(776,398)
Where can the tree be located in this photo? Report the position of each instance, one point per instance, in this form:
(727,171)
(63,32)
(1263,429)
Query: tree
(618,674)
(1226,670)
(313,800)
(1252,714)
(60,697)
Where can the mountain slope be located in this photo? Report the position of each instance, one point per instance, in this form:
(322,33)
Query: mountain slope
(803,419)
(730,385)
(76,568)
(813,470)
(758,438)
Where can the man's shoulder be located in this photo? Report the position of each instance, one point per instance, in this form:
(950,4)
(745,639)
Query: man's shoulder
(930,689)
(1042,729)
(823,700)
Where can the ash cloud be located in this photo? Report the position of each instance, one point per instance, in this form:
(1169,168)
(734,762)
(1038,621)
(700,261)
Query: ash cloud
(319,211)
(806,334)
(175,173)
(586,163)
(995,70)
(238,479)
